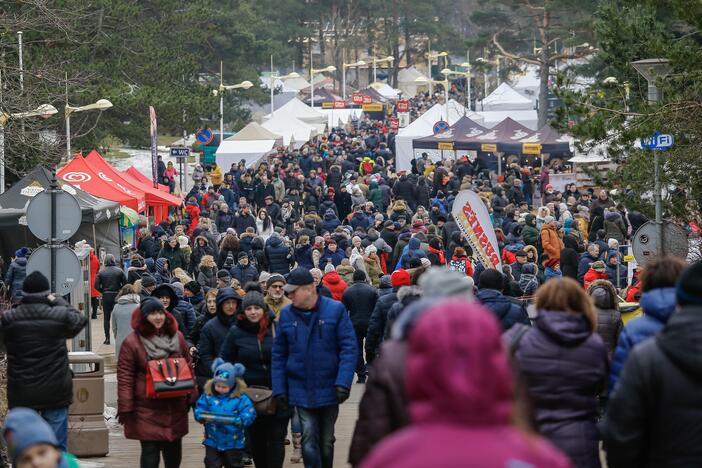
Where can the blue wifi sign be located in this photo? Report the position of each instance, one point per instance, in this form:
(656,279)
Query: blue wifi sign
(658,141)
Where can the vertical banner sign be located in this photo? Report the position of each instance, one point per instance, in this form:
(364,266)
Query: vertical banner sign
(473,219)
(154,145)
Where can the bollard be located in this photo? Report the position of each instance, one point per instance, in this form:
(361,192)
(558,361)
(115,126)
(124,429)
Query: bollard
(87,431)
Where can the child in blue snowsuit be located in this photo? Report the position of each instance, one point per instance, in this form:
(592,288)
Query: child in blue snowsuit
(226,412)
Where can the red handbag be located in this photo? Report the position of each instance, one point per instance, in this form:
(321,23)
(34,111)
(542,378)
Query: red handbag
(168,378)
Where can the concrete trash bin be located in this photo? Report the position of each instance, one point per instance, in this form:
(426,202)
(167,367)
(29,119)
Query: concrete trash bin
(87,431)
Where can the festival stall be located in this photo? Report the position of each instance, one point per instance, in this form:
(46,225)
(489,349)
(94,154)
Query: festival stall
(528,118)
(157,202)
(463,130)
(251,144)
(99,217)
(321,96)
(340,117)
(83,175)
(294,131)
(303,112)
(137,175)
(407,82)
(504,98)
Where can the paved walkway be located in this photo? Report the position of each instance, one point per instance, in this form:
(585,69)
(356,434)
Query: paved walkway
(125,453)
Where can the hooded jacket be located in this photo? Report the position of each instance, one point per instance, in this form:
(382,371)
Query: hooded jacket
(162,275)
(653,417)
(506,311)
(609,320)
(360,299)
(550,241)
(213,334)
(111,278)
(175,256)
(15,277)
(277,255)
(330,221)
(122,318)
(459,418)
(614,227)
(530,234)
(335,284)
(658,306)
(564,365)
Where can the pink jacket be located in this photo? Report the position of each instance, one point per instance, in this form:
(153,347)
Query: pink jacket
(460,398)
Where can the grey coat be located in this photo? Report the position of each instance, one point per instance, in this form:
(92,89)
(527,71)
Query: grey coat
(122,318)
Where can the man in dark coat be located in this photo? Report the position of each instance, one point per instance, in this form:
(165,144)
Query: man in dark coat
(360,299)
(243,270)
(278,255)
(263,190)
(404,190)
(35,334)
(108,282)
(591,256)
(343,201)
(653,416)
(243,219)
(490,285)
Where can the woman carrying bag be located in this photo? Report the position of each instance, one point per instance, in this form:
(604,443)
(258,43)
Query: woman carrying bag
(158,421)
(249,342)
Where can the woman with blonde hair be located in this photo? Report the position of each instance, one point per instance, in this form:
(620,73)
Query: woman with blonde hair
(182,276)
(564,364)
(207,277)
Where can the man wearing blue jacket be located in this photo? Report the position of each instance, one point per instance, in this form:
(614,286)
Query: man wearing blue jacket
(313,362)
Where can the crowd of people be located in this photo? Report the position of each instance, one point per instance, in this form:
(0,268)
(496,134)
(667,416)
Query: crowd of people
(318,265)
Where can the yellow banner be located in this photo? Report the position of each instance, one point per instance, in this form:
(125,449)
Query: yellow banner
(488,148)
(372,108)
(531,148)
(327,105)
(446,146)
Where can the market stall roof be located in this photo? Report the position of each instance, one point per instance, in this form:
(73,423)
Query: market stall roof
(153,197)
(505,98)
(385,90)
(495,140)
(407,81)
(374,95)
(320,95)
(292,129)
(253,131)
(17,197)
(297,83)
(340,117)
(83,175)
(136,174)
(462,131)
(528,118)
(302,111)
(548,139)
(250,151)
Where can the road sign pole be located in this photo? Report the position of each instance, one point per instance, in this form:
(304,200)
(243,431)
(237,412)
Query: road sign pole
(657,198)
(52,239)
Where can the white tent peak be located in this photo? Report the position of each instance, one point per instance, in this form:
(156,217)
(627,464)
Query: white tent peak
(292,129)
(505,98)
(254,131)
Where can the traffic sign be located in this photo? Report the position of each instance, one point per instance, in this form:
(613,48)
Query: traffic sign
(180,152)
(402,106)
(658,141)
(440,127)
(67,219)
(67,267)
(204,136)
(646,243)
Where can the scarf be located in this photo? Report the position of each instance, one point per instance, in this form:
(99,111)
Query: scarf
(440,254)
(160,346)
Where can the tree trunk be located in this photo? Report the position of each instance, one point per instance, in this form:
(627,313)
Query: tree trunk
(544,58)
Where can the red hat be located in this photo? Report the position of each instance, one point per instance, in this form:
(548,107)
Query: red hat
(399,278)
(551,262)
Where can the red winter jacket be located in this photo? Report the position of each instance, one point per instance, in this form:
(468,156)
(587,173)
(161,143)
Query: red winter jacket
(335,284)
(94,268)
(591,276)
(145,418)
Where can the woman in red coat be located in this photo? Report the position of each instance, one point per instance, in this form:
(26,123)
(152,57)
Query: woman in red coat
(159,424)
(94,293)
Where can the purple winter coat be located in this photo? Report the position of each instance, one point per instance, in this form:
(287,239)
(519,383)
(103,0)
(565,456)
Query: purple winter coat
(565,366)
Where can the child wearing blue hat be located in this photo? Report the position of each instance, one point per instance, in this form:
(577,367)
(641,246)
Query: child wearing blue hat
(226,412)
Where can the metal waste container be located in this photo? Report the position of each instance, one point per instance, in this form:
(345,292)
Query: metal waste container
(87,431)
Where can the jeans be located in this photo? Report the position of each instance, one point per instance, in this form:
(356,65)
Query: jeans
(151,453)
(108,303)
(226,458)
(295,424)
(318,435)
(267,438)
(58,420)
(361,331)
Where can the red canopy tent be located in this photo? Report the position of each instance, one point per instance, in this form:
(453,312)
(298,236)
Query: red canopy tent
(136,174)
(80,173)
(154,198)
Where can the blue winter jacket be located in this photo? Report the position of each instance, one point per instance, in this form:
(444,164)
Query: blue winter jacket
(244,273)
(329,256)
(187,311)
(313,353)
(658,306)
(506,311)
(225,417)
(15,277)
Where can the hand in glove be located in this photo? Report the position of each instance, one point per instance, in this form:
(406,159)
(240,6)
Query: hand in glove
(282,401)
(342,394)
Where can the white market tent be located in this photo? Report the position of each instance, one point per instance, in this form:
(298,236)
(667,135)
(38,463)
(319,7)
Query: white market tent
(423,126)
(505,98)
(251,143)
(294,131)
(406,82)
(340,117)
(528,118)
(528,83)
(303,112)
(297,83)
(385,90)
(277,84)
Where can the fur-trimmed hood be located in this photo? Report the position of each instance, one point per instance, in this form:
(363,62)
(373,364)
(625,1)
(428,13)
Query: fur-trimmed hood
(605,299)
(240,387)
(143,327)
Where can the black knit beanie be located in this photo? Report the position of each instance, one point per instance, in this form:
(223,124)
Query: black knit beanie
(36,283)
(254,298)
(689,288)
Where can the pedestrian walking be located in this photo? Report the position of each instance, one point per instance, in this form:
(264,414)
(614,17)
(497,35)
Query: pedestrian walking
(360,299)
(127,301)
(313,359)
(35,334)
(108,282)
(16,273)
(159,424)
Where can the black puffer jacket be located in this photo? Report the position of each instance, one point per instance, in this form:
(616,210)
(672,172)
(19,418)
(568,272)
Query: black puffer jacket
(360,299)
(404,190)
(653,418)
(609,320)
(35,335)
(278,256)
(111,278)
(241,345)
(377,322)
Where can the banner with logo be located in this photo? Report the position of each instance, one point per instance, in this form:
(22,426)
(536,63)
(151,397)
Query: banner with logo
(473,219)
(154,145)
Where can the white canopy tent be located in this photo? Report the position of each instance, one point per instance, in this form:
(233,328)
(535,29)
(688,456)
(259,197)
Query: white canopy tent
(294,131)
(303,112)
(385,90)
(505,98)
(528,83)
(528,118)
(423,126)
(340,117)
(406,82)
(251,144)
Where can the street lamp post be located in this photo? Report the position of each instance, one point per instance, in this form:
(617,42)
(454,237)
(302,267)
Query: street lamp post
(446,72)
(445,82)
(222,88)
(431,57)
(44,111)
(376,61)
(281,77)
(316,71)
(344,66)
(651,70)
(99,105)
(495,62)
